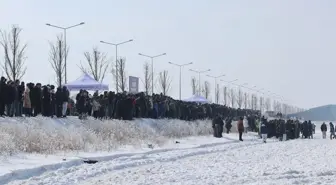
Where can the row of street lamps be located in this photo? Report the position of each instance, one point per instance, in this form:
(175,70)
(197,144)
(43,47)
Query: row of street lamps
(199,72)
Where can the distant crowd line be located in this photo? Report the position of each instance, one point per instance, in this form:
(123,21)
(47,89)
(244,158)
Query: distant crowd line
(20,99)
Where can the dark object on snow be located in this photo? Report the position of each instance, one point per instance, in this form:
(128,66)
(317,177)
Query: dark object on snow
(177,142)
(90,161)
(64,159)
(150,146)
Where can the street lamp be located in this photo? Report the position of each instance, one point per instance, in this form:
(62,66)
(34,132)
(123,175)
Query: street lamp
(215,77)
(180,66)
(152,59)
(65,46)
(116,46)
(199,78)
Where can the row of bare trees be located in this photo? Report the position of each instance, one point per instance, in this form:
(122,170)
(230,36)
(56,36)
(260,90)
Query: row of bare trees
(96,63)
(236,98)
(162,83)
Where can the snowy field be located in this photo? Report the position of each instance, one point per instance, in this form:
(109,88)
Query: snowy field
(193,160)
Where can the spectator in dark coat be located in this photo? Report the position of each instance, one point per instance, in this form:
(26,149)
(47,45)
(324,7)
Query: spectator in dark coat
(59,102)
(228,125)
(66,96)
(3,95)
(217,125)
(332,130)
(11,95)
(240,127)
(263,130)
(324,130)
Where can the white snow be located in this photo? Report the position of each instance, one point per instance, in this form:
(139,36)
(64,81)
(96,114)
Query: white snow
(195,160)
(50,136)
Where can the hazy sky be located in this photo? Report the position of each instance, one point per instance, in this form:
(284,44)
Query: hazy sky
(284,46)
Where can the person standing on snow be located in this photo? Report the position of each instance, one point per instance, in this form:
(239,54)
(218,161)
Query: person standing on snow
(228,124)
(245,123)
(324,130)
(332,130)
(217,125)
(263,130)
(240,127)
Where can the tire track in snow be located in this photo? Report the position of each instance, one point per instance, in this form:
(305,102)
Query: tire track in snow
(77,174)
(29,173)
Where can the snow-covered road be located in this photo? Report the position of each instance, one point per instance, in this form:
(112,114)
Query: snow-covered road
(249,162)
(292,162)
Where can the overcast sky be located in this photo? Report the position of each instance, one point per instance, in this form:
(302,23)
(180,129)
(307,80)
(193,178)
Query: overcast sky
(284,46)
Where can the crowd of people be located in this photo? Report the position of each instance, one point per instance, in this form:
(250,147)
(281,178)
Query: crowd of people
(18,99)
(110,105)
(276,127)
(324,130)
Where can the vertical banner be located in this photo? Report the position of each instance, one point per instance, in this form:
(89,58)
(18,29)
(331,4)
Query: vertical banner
(133,84)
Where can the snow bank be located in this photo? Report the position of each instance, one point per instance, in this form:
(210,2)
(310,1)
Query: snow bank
(49,136)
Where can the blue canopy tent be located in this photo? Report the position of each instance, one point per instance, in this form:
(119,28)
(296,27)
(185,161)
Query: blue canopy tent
(86,82)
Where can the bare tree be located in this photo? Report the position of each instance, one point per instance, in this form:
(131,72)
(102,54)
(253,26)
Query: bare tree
(14,54)
(147,78)
(246,100)
(268,104)
(194,85)
(232,97)
(261,104)
(120,71)
(276,106)
(56,59)
(225,95)
(164,82)
(97,64)
(254,102)
(217,94)
(251,102)
(206,89)
(239,98)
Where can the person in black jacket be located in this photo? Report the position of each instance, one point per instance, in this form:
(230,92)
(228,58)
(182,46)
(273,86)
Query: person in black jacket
(37,97)
(52,101)
(217,125)
(66,96)
(324,130)
(3,95)
(228,125)
(46,101)
(59,102)
(21,89)
(11,93)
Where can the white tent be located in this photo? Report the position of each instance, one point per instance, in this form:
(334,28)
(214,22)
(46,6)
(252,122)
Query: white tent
(196,99)
(86,82)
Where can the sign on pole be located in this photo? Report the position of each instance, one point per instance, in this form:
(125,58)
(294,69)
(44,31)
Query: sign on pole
(133,84)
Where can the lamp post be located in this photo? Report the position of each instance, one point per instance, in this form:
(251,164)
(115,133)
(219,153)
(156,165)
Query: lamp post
(199,78)
(180,66)
(65,45)
(215,77)
(116,46)
(152,59)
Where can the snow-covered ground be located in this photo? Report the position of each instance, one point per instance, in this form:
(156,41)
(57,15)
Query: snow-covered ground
(194,160)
